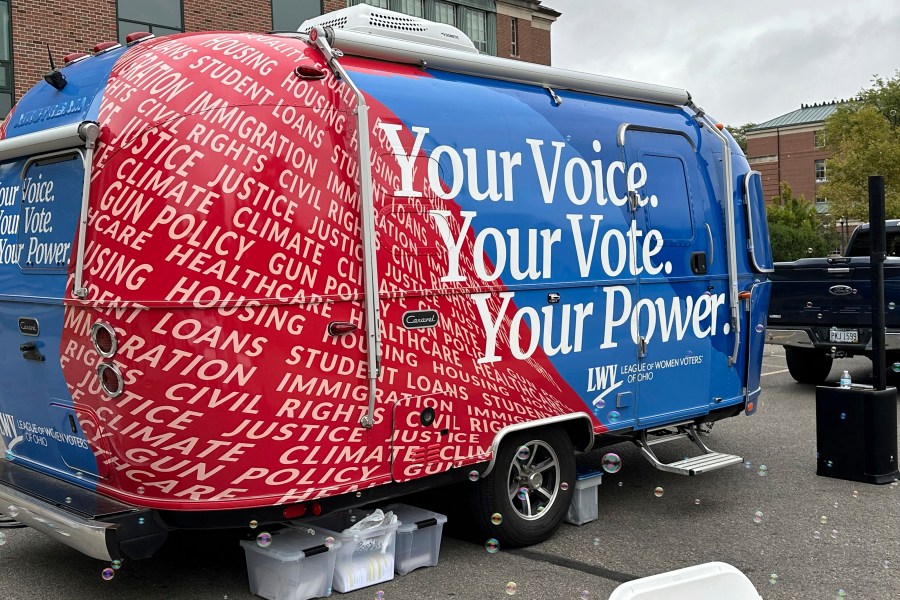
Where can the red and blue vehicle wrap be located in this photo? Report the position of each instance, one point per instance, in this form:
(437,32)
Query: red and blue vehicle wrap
(534,260)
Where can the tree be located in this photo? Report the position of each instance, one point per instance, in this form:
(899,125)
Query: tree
(740,134)
(865,138)
(795,228)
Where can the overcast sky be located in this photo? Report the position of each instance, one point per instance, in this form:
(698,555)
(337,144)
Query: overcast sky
(747,61)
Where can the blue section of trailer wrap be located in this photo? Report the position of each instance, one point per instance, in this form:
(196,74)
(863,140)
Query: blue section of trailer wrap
(560,223)
(40,200)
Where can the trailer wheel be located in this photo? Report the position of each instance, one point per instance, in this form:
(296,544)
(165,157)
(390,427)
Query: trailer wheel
(808,365)
(531,494)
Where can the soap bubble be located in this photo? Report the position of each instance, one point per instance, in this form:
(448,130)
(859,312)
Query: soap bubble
(614,416)
(585,595)
(511,588)
(254,524)
(596,541)
(9,455)
(843,416)
(141,520)
(353,518)
(2,538)
(496,518)
(823,519)
(621,484)
(658,492)
(68,500)
(841,594)
(773,578)
(855,494)
(12,511)
(829,464)
(107,573)
(611,462)
(834,534)
(564,486)
(379,595)
(697,501)
(886,564)
(492,546)
(758,517)
(817,535)
(763,470)
(523,453)
(329,542)
(523,493)
(264,539)
(895,367)
(140,490)
(311,531)
(748,464)
(835,504)
(116,564)
(760,328)
(473,475)
(600,404)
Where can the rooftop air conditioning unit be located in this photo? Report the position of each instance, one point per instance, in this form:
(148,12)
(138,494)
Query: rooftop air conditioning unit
(363,18)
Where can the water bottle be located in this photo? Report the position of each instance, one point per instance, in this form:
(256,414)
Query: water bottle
(845,379)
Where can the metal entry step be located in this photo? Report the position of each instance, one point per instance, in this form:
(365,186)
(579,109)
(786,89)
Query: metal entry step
(706,461)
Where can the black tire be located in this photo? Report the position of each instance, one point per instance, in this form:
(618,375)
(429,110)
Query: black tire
(808,365)
(534,515)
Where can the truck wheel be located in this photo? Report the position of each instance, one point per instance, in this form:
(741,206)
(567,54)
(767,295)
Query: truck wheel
(808,365)
(529,490)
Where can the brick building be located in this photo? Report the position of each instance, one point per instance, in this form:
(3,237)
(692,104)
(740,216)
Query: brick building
(518,29)
(791,148)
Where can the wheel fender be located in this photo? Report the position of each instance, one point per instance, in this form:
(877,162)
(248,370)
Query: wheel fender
(577,425)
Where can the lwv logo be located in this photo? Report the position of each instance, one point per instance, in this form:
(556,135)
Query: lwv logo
(603,380)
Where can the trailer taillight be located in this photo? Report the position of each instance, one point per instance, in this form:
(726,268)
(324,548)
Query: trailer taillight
(294,511)
(110,379)
(74,57)
(105,46)
(104,338)
(316,509)
(137,36)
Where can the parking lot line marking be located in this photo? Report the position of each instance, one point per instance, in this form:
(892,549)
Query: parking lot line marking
(775,372)
(574,565)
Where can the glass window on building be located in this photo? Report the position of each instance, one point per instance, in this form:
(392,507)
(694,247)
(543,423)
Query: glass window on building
(159,17)
(514,36)
(287,15)
(820,138)
(444,12)
(820,171)
(6,71)
(415,8)
(475,27)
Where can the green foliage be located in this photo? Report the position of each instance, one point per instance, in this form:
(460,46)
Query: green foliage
(795,229)
(865,138)
(740,134)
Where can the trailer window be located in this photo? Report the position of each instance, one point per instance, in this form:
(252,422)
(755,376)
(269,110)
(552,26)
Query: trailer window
(667,180)
(51,202)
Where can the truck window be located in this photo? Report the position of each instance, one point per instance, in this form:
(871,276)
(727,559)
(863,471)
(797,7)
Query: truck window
(859,245)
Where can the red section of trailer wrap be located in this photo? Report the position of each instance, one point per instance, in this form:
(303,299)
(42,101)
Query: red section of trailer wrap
(226,235)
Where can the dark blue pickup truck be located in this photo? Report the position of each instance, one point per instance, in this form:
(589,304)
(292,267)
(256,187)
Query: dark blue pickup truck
(821,308)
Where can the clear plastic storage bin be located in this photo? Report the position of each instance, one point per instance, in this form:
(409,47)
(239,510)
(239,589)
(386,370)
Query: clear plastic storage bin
(418,538)
(584,507)
(365,557)
(295,566)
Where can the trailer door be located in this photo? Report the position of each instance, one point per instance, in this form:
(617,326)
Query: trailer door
(40,210)
(678,303)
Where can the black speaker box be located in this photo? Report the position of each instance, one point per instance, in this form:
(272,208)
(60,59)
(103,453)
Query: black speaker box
(856,433)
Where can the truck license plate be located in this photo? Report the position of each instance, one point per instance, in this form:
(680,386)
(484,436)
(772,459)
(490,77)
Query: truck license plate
(847,336)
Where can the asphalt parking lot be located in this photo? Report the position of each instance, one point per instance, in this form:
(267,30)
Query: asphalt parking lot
(794,534)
